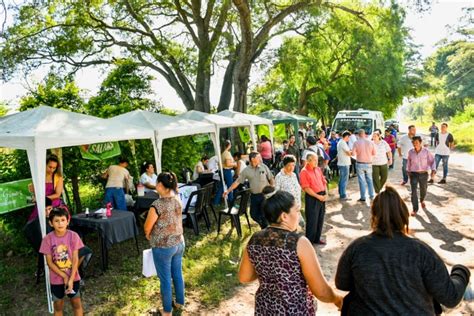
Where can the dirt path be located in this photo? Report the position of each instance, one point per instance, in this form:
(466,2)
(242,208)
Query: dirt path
(446,225)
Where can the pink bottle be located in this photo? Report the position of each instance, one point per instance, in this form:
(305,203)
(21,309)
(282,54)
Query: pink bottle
(108,211)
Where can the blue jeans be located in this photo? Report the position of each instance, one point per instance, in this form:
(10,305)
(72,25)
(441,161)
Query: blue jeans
(364,176)
(116,196)
(445,159)
(168,263)
(404,170)
(220,189)
(343,179)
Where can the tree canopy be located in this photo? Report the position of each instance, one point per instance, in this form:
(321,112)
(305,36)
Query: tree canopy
(338,63)
(181,41)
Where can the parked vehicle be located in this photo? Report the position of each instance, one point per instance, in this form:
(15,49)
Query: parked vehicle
(357,119)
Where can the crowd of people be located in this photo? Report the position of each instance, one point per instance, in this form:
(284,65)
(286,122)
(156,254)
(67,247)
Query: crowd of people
(405,275)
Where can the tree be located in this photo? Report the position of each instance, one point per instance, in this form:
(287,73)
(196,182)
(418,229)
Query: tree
(126,88)
(449,72)
(179,40)
(339,63)
(55,91)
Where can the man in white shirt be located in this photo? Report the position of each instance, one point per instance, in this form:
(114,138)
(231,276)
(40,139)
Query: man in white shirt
(343,163)
(445,143)
(404,145)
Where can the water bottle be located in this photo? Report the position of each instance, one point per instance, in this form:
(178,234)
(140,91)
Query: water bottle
(108,211)
(188,177)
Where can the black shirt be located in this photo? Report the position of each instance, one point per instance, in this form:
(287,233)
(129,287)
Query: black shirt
(397,276)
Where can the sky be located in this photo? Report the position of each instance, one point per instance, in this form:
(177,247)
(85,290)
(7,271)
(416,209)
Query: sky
(427,29)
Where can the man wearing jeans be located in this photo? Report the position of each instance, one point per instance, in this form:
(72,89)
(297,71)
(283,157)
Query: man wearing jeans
(419,162)
(117,178)
(404,145)
(343,164)
(445,143)
(259,176)
(364,150)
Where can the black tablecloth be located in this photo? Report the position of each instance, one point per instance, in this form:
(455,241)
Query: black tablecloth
(144,202)
(119,227)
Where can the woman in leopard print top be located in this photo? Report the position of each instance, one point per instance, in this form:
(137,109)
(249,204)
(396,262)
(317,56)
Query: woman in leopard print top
(284,262)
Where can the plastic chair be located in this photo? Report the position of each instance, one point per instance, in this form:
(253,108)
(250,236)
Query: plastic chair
(193,211)
(209,188)
(237,209)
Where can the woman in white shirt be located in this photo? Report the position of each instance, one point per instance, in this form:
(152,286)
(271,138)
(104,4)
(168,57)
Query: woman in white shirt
(382,158)
(148,177)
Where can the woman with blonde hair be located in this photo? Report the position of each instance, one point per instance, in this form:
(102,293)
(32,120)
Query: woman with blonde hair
(390,273)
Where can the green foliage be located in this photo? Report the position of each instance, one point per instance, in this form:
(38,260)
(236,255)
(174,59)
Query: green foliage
(54,91)
(449,72)
(339,63)
(3,109)
(181,152)
(125,89)
(464,117)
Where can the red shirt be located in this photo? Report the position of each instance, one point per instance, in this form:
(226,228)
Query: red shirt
(313,179)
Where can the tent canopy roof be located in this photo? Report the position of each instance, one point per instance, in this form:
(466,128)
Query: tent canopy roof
(278,116)
(49,127)
(218,120)
(254,119)
(166,126)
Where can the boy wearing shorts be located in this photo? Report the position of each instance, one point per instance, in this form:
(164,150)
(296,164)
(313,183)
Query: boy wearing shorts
(61,247)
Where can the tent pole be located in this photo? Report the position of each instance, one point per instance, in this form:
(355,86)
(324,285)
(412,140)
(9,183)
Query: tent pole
(37,161)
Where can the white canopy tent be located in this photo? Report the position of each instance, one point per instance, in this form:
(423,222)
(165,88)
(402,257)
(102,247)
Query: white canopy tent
(254,121)
(219,121)
(43,128)
(166,126)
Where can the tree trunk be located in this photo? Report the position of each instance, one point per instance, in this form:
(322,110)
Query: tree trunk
(244,62)
(203,82)
(75,192)
(303,97)
(226,90)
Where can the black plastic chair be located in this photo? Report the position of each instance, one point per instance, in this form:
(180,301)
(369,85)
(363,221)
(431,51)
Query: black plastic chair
(209,188)
(193,211)
(238,208)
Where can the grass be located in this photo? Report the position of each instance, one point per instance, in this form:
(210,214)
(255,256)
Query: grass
(210,267)
(463,136)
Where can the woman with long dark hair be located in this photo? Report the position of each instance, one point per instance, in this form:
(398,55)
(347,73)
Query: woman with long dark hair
(54,186)
(390,273)
(284,262)
(164,229)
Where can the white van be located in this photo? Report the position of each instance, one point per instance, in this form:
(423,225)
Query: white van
(357,119)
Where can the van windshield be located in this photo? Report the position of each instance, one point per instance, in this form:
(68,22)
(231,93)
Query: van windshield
(352,123)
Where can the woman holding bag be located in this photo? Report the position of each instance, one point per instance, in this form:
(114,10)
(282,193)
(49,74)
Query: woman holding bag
(164,229)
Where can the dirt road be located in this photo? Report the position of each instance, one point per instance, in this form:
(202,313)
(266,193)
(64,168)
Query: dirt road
(446,225)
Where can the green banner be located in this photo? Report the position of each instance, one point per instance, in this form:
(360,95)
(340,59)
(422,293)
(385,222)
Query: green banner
(244,134)
(14,195)
(100,151)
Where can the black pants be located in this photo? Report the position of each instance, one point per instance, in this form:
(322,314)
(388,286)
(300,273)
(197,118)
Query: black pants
(256,210)
(314,211)
(421,179)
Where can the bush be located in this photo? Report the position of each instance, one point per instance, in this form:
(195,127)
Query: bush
(464,117)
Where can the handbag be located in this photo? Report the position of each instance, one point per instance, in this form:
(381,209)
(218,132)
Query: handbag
(148,269)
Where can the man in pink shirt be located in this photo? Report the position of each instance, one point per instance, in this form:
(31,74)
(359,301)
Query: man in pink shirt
(419,162)
(364,150)
(313,184)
